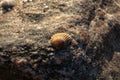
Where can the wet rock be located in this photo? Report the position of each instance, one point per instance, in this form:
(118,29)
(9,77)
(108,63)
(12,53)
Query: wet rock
(25,51)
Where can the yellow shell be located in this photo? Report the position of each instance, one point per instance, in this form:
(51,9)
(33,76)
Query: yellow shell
(60,40)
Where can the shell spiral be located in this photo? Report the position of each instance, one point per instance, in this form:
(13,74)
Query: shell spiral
(60,40)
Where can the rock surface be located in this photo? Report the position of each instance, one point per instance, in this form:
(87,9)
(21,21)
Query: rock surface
(25,51)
